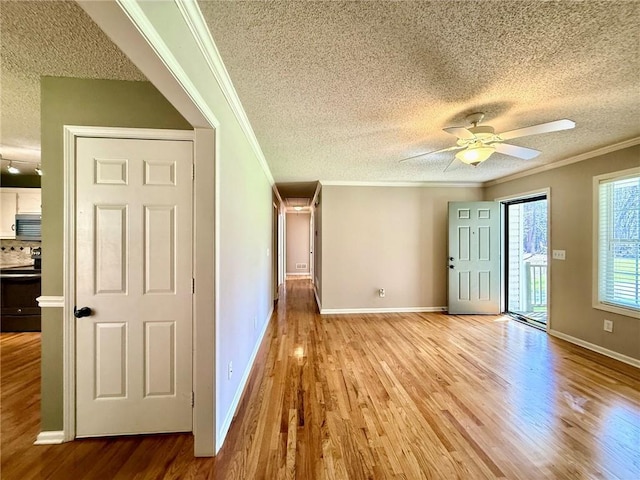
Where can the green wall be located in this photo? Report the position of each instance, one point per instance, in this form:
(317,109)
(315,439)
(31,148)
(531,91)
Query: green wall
(72,101)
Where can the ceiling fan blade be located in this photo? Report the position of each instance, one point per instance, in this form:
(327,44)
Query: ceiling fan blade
(516,151)
(460,132)
(450,163)
(548,127)
(430,153)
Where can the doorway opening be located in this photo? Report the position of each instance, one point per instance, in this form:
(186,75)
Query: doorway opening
(526,252)
(298,244)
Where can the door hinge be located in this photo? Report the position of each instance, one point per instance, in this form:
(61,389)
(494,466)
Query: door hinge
(193,285)
(193,399)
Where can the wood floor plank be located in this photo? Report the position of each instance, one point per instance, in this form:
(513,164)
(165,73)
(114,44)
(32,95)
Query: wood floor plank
(375,396)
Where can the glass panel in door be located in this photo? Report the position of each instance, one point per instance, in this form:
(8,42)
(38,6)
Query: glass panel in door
(527,239)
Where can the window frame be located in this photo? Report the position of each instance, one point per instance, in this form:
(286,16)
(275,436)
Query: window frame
(596,303)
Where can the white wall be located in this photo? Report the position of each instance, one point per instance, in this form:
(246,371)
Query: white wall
(298,225)
(244,289)
(386,237)
(243,213)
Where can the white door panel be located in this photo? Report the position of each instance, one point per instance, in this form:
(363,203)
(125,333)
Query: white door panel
(133,269)
(474,257)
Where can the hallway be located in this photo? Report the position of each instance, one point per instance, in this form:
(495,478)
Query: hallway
(419,395)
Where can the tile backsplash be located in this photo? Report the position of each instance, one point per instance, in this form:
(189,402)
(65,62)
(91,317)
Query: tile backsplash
(16,252)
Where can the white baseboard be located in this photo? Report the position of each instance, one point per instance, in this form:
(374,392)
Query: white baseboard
(224,428)
(596,348)
(334,311)
(50,438)
(303,274)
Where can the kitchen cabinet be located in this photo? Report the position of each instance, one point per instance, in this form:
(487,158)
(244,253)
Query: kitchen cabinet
(18,304)
(8,209)
(29,201)
(17,200)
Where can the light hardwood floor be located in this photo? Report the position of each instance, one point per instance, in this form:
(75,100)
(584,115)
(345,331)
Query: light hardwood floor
(372,397)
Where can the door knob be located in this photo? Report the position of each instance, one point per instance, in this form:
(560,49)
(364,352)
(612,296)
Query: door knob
(451,259)
(82,312)
(451,266)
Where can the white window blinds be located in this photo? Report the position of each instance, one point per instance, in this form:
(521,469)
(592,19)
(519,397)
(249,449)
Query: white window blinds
(619,242)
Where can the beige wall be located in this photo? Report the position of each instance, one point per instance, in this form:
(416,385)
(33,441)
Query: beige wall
(386,237)
(245,288)
(68,101)
(298,242)
(571,219)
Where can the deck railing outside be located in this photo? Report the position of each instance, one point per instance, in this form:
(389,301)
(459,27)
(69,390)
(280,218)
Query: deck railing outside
(536,287)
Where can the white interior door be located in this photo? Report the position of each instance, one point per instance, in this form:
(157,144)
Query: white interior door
(474,257)
(134,271)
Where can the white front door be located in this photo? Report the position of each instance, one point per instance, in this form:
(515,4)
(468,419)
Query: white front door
(474,257)
(134,271)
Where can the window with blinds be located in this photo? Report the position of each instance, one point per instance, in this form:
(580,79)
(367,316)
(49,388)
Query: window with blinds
(618,238)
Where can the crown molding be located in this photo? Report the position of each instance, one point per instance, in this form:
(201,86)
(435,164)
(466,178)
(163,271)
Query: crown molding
(277,193)
(567,161)
(193,17)
(341,183)
(314,200)
(136,15)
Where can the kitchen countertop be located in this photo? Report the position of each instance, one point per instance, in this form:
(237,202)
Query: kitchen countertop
(22,264)
(8,271)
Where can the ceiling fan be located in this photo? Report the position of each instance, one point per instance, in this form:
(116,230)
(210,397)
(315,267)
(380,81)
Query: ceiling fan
(477,143)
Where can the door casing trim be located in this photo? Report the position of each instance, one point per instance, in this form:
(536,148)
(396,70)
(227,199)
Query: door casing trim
(521,196)
(71,133)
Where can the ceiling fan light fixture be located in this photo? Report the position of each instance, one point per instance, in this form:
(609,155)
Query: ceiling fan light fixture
(11,169)
(475,155)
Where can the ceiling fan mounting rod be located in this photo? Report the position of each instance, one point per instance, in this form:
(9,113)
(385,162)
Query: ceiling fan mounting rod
(475,118)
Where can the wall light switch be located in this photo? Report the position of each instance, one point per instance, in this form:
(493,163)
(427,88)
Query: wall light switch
(559,255)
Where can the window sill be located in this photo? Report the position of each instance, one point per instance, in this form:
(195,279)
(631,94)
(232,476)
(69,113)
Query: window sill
(628,312)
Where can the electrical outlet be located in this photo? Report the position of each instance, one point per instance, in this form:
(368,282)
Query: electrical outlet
(559,254)
(230,370)
(381,293)
(608,325)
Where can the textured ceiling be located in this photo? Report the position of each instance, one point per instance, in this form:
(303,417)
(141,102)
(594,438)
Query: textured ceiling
(47,38)
(343,90)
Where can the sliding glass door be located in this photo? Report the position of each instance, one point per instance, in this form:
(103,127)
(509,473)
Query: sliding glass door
(526,259)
